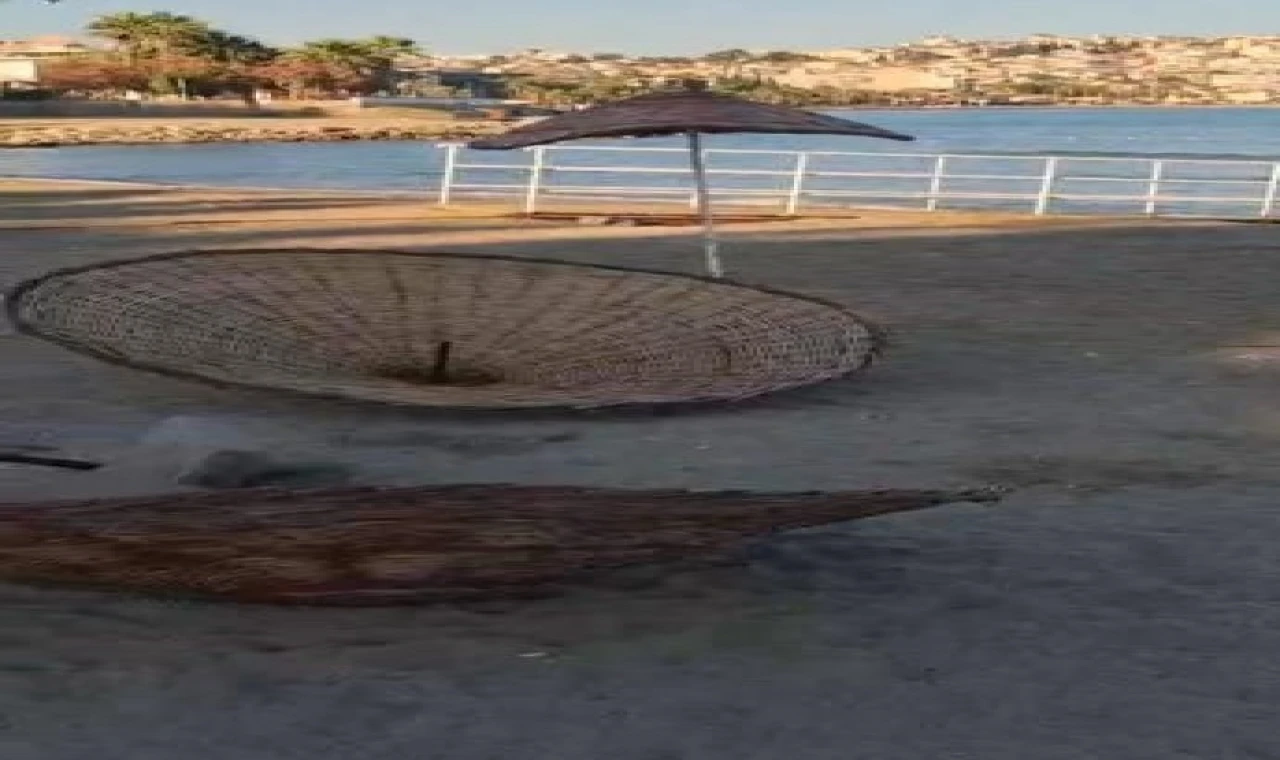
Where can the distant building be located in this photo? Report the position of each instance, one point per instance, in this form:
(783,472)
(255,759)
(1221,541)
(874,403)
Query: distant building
(1247,87)
(878,79)
(19,72)
(896,79)
(43,48)
(849,55)
(469,84)
(20,60)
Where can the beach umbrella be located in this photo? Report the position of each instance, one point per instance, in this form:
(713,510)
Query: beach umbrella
(692,111)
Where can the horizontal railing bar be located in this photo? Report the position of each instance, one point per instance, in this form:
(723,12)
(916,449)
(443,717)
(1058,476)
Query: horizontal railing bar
(920,195)
(877,154)
(640,170)
(495,167)
(626,188)
(1016,177)
(1156,198)
(622,170)
(1163,180)
(562,189)
(632,189)
(1166,161)
(465,186)
(1168,181)
(659,190)
(881,175)
(619,148)
(899,175)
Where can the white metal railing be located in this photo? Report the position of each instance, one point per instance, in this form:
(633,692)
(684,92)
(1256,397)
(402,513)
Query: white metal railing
(796,180)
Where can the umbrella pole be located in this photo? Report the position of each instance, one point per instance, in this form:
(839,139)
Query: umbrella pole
(710,246)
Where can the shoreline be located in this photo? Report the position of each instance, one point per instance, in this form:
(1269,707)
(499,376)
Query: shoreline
(64,131)
(72,132)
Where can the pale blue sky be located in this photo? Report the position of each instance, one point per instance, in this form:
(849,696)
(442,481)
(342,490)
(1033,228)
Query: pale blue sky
(667,26)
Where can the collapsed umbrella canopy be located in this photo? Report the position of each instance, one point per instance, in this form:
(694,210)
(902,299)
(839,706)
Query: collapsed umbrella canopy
(693,111)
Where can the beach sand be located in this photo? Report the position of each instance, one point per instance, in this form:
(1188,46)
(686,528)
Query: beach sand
(1123,603)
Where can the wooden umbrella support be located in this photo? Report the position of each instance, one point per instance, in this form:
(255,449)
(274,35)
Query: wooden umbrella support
(691,111)
(440,370)
(710,246)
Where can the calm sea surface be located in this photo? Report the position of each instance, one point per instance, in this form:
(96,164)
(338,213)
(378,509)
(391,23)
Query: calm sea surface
(1177,133)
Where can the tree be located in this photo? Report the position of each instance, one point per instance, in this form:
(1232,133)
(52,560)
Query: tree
(93,74)
(183,55)
(732,55)
(148,35)
(370,60)
(392,48)
(303,74)
(184,75)
(786,56)
(229,48)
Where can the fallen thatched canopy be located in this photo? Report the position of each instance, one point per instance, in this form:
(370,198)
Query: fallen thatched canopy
(444,330)
(381,546)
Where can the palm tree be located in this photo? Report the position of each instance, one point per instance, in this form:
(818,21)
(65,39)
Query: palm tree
(148,35)
(372,58)
(384,52)
(126,30)
(304,74)
(393,47)
(224,47)
(174,47)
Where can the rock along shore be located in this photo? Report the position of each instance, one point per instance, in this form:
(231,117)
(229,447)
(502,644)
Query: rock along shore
(53,134)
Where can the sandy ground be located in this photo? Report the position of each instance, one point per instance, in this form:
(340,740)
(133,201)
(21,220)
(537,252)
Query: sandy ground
(1124,603)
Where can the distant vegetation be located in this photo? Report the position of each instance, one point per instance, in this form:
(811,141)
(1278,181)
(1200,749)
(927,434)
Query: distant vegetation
(170,54)
(167,54)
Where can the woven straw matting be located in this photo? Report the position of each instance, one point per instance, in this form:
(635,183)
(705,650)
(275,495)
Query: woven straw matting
(447,330)
(390,545)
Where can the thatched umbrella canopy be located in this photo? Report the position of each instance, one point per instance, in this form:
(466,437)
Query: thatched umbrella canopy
(379,546)
(679,112)
(693,111)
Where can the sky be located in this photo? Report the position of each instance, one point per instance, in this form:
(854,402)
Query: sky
(665,27)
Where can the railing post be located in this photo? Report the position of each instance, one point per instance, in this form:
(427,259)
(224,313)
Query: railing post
(1153,188)
(935,183)
(797,184)
(450,169)
(1273,189)
(1045,196)
(535,180)
(693,201)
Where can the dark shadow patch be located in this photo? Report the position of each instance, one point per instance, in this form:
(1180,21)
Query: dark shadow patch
(1029,472)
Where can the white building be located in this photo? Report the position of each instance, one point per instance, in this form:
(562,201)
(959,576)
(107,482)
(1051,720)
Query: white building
(20,59)
(19,71)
